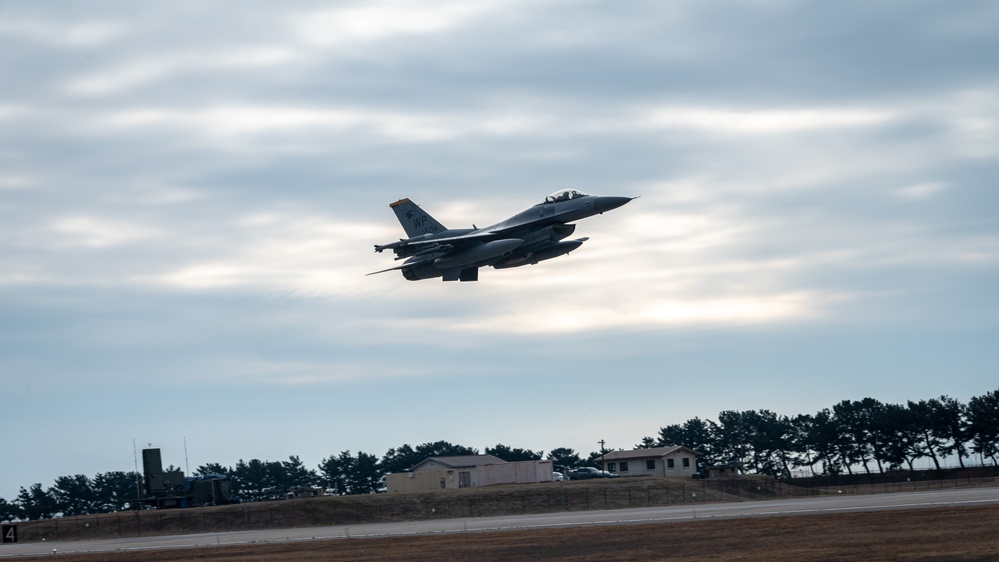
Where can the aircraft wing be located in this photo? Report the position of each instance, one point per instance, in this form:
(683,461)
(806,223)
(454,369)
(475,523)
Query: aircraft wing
(413,245)
(476,236)
(450,252)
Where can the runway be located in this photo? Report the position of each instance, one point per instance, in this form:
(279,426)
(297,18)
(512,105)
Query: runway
(687,512)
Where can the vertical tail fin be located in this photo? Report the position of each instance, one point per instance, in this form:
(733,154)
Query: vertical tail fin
(415,220)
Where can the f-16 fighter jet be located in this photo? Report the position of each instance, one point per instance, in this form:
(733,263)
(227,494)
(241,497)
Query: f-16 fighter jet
(528,237)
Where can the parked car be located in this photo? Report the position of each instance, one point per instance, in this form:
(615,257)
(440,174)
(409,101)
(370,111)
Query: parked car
(558,476)
(588,472)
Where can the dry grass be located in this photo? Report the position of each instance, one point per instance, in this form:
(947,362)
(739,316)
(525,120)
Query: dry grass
(958,534)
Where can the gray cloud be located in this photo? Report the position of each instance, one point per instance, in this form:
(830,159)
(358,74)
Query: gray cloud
(189,194)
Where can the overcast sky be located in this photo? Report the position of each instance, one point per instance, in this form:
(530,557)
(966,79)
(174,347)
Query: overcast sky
(190,192)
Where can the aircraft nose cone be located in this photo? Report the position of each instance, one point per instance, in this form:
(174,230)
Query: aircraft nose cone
(609,202)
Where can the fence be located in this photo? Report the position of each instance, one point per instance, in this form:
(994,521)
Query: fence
(898,476)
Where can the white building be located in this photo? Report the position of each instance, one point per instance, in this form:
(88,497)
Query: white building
(675,461)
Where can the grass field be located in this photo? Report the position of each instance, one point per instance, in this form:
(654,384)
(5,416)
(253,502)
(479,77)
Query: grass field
(963,534)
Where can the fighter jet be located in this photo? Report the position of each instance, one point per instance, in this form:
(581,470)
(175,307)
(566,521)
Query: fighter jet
(530,236)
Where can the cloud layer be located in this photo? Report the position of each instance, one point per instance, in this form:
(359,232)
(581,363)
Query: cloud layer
(189,196)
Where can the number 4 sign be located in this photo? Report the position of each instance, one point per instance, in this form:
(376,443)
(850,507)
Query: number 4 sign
(10,533)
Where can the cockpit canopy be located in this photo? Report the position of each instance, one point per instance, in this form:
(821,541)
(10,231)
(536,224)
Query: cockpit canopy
(563,195)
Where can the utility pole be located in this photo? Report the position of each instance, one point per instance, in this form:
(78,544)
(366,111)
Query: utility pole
(138,490)
(603,452)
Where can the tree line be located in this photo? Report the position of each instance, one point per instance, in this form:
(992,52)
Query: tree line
(858,435)
(855,435)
